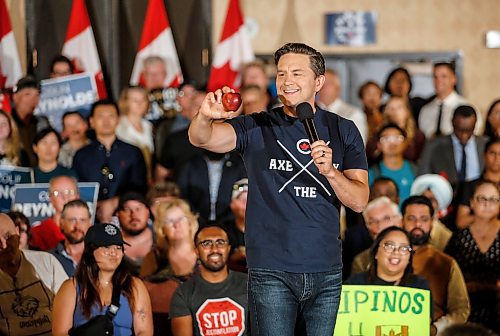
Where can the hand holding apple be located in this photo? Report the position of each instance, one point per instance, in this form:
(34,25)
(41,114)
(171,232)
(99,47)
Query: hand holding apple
(231,101)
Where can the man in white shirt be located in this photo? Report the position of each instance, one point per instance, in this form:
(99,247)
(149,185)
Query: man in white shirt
(439,111)
(329,99)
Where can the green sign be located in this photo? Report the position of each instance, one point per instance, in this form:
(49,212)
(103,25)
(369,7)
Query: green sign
(383,311)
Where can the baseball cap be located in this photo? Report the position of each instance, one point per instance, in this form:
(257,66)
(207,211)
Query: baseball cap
(26,83)
(239,187)
(104,235)
(132,196)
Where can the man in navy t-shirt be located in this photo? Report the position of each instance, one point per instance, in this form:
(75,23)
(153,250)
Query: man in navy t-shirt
(294,193)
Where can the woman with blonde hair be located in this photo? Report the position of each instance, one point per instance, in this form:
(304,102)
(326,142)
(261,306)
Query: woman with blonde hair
(172,261)
(133,128)
(11,153)
(398,112)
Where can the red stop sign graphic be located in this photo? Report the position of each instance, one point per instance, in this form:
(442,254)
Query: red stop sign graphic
(221,317)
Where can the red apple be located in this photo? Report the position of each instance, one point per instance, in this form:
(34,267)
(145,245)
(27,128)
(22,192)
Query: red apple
(231,101)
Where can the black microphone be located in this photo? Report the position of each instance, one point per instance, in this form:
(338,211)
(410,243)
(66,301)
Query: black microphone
(306,116)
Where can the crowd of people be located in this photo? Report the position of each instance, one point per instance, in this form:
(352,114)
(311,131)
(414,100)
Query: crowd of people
(167,247)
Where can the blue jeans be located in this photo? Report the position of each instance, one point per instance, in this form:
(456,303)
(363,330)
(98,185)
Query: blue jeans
(284,303)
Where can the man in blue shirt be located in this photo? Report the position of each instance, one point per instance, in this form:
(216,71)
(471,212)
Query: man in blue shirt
(116,165)
(294,193)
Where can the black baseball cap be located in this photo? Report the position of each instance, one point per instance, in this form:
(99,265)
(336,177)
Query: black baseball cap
(104,235)
(26,83)
(132,196)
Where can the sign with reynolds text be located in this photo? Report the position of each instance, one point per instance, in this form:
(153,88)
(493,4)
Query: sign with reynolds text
(9,177)
(63,94)
(33,200)
(383,311)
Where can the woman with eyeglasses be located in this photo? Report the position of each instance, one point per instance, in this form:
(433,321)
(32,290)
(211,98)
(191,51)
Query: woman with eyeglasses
(391,258)
(172,261)
(477,251)
(103,271)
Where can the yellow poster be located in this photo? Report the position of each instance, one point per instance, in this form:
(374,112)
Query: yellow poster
(383,311)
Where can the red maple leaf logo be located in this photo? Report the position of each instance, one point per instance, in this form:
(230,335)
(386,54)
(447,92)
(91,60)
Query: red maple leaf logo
(304,146)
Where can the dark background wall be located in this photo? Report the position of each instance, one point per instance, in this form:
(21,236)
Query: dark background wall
(117,26)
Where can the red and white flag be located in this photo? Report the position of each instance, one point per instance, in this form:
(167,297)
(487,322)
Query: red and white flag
(10,65)
(157,40)
(80,46)
(233,50)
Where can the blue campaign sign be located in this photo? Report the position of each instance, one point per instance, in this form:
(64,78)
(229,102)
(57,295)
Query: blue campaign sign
(9,177)
(33,200)
(351,28)
(68,93)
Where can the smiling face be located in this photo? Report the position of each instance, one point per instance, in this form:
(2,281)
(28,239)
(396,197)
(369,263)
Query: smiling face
(296,81)
(212,248)
(391,258)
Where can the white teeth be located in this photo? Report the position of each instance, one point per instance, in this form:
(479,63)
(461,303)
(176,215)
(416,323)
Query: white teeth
(290,91)
(394,261)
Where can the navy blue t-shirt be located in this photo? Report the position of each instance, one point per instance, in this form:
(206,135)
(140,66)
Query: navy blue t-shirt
(292,219)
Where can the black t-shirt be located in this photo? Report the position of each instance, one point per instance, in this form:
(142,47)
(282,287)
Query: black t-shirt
(216,308)
(292,218)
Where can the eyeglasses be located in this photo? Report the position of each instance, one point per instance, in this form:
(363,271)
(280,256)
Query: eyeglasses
(63,193)
(402,249)
(385,220)
(392,138)
(208,244)
(111,250)
(485,200)
(170,222)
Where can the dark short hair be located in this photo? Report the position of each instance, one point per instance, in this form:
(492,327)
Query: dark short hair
(392,74)
(209,225)
(388,126)
(491,142)
(103,102)
(62,59)
(70,113)
(44,132)
(449,65)
(382,179)
(417,199)
(163,189)
(365,85)
(316,60)
(464,111)
(19,218)
(77,203)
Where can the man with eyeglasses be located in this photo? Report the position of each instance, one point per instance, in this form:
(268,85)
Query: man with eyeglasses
(449,293)
(133,213)
(379,214)
(29,281)
(47,235)
(392,144)
(213,302)
(75,221)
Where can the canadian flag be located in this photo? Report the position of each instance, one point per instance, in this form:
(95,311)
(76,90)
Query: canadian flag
(233,50)
(157,40)
(10,66)
(80,46)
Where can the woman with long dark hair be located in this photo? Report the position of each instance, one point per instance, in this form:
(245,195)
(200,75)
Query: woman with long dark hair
(89,294)
(391,258)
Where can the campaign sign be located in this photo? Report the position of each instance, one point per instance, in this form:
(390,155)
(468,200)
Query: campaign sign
(221,317)
(351,28)
(33,200)
(9,177)
(63,94)
(383,310)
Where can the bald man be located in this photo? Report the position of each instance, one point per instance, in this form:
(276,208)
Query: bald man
(29,280)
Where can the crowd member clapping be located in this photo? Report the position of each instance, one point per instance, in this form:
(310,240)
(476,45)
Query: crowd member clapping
(477,250)
(103,272)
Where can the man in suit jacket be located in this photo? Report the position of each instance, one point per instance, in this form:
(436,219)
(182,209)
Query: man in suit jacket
(444,155)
